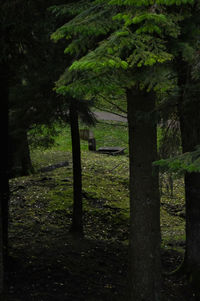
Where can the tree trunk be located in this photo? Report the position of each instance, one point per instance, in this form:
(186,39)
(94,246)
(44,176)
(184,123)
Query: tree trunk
(1,257)
(26,163)
(20,159)
(4,191)
(189,116)
(190,133)
(145,266)
(77,223)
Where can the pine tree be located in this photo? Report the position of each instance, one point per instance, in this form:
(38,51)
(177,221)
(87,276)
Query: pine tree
(186,67)
(132,55)
(189,112)
(16,19)
(32,101)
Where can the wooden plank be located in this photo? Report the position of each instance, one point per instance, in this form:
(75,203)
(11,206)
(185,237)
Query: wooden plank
(113,150)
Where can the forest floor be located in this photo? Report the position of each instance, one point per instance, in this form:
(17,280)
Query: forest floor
(48,264)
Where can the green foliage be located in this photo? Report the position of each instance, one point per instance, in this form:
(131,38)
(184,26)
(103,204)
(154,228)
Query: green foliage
(105,70)
(189,162)
(141,41)
(42,136)
(85,28)
(116,50)
(175,2)
(71,9)
(151,22)
(150,2)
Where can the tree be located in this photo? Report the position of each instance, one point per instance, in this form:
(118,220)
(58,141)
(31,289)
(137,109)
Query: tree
(78,109)
(15,20)
(95,72)
(189,112)
(4,191)
(186,94)
(1,257)
(186,50)
(32,100)
(144,198)
(77,222)
(77,218)
(130,50)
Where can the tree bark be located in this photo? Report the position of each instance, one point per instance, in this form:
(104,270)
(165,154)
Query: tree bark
(26,164)
(4,191)
(145,266)
(20,159)
(77,222)
(190,135)
(189,116)
(1,257)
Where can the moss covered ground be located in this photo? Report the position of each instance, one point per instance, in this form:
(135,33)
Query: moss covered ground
(47,263)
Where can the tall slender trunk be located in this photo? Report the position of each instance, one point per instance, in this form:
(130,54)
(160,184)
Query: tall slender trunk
(189,116)
(4,191)
(190,133)
(77,222)
(1,257)
(26,163)
(145,267)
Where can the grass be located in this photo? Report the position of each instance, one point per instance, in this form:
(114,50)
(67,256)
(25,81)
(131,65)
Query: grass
(105,133)
(41,213)
(105,181)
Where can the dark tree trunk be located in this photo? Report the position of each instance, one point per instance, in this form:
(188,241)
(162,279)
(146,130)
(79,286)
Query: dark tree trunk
(145,266)
(26,163)
(4,191)
(1,257)
(190,133)
(77,223)
(189,116)
(20,159)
